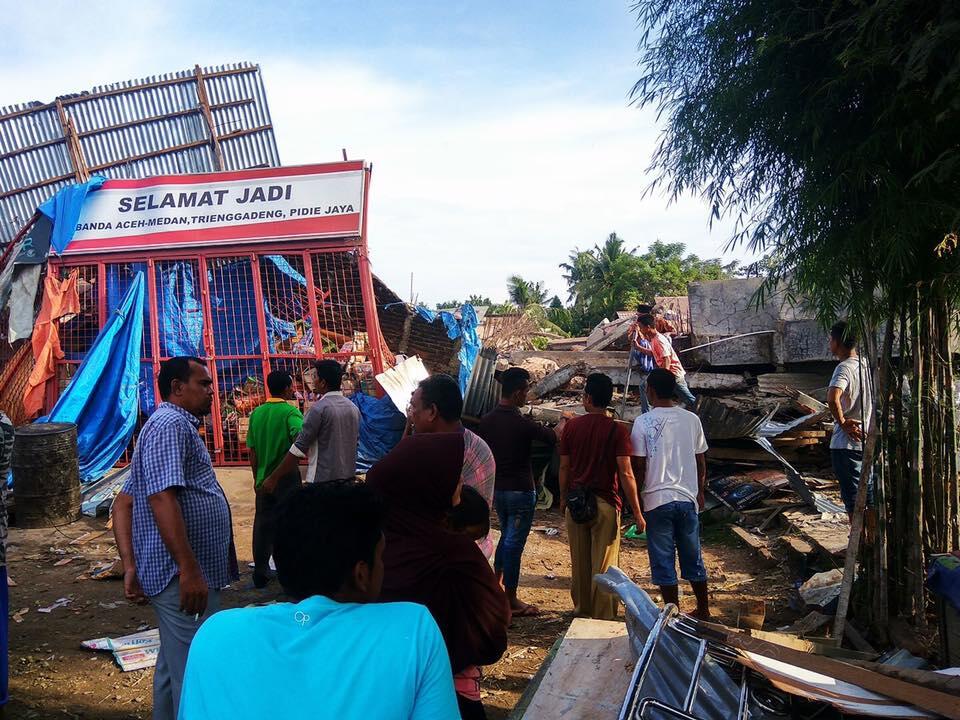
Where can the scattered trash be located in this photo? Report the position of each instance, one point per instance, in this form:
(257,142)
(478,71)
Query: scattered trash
(66,561)
(18,616)
(88,536)
(104,570)
(822,589)
(11,582)
(550,576)
(132,652)
(548,531)
(109,605)
(62,602)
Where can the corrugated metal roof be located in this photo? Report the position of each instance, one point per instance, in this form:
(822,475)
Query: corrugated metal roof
(132,129)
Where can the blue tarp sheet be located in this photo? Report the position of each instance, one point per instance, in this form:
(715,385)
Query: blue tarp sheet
(102,396)
(381,427)
(464,328)
(64,209)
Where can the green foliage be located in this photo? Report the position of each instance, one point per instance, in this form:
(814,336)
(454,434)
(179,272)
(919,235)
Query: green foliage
(539,342)
(826,130)
(502,309)
(524,293)
(449,305)
(479,301)
(610,277)
(563,318)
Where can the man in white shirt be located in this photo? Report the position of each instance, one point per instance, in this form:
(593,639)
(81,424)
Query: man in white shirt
(850,400)
(669,463)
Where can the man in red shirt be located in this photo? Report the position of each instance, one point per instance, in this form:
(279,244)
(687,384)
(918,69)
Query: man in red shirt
(595,456)
(666,357)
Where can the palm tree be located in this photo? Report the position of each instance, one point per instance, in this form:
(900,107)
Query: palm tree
(524,293)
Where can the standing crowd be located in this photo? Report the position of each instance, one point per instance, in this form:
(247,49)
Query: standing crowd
(395,605)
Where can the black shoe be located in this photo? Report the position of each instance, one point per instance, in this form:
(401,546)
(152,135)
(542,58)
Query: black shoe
(260,581)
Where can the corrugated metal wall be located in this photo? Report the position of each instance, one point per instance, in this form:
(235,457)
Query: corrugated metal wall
(132,129)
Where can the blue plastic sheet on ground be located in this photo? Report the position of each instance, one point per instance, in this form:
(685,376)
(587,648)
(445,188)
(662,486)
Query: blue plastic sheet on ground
(465,328)
(101,398)
(381,427)
(64,209)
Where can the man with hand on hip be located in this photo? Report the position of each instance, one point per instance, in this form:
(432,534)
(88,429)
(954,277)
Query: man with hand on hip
(173,526)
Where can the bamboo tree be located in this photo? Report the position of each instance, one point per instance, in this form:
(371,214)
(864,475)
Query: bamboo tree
(826,131)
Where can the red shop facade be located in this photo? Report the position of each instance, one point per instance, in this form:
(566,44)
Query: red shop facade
(255,271)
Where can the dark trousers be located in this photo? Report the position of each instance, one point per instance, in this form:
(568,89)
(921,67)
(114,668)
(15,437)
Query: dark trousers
(470,709)
(265,521)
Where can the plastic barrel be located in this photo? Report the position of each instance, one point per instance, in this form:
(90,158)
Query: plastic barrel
(46,475)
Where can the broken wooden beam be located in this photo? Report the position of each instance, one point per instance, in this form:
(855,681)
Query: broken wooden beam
(556,380)
(758,545)
(922,697)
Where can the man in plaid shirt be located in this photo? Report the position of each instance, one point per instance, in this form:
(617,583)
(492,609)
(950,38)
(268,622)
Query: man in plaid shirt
(173,526)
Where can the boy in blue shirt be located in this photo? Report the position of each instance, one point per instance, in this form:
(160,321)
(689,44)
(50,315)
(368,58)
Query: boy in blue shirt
(335,652)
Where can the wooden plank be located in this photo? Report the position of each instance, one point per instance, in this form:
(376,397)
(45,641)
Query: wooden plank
(524,702)
(798,545)
(755,543)
(589,675)
(925,698)
(793,442)
(858,641)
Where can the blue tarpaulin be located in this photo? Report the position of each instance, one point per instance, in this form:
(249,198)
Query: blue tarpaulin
(381,427)
(64,209)
(465,328)
(101,398)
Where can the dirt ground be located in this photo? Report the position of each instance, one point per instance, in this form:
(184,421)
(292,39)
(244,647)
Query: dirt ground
(51,676)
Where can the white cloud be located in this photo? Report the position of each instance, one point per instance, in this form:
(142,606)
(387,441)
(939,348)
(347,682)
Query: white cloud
(465,194)
(470,184)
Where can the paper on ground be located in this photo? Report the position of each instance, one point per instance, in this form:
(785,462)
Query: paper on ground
(132,652)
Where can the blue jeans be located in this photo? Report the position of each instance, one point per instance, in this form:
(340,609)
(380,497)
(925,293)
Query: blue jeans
(847,465)
(637,360)
(515,512)
(683,394)
(674,529)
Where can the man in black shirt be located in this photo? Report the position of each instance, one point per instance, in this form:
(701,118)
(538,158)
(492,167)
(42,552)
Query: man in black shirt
(510,436)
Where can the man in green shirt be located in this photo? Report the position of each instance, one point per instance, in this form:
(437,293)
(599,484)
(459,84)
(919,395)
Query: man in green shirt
(273,427)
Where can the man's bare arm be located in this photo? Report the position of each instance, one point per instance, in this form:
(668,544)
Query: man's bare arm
(850,426)
(629,483)
(286,466)
(123,534)
(701,479)
(564,481)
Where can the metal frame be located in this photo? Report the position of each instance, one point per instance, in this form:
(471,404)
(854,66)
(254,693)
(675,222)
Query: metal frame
(636,707)
(307,250)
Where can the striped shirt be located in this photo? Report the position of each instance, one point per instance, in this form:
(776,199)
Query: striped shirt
(171,454)
(479,472)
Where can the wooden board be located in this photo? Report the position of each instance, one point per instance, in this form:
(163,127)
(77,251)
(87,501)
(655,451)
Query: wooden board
(757,544)
(589,675)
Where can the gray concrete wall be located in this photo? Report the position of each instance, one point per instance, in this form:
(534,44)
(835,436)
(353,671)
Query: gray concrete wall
(723,308)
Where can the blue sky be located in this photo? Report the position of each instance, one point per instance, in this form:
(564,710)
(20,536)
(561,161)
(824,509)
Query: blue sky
(500,132)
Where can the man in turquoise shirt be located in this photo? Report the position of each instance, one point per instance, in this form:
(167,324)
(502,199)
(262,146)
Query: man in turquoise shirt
(335,653)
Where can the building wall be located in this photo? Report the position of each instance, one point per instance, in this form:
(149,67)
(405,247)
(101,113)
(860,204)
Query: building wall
(407,333)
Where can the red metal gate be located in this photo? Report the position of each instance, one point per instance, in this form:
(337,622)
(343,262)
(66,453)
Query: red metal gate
(286,304)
